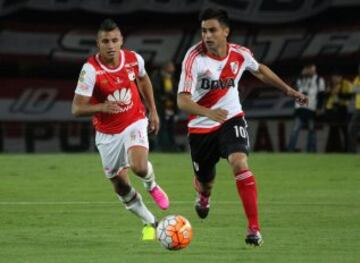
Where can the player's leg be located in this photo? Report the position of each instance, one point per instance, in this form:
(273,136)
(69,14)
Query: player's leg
(203,189)
(138,160)
(235,146)
(246,187)
(204,155)
(111,151)
(137,146)
(130,198)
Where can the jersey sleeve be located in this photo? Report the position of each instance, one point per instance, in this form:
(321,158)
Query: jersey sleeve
(188,77)
(86,81)
(141,65)
(251,63)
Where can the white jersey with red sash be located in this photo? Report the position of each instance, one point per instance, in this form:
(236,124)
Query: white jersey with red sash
(213,82)
(102,83)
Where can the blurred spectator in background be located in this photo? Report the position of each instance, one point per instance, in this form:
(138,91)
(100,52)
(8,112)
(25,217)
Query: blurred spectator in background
(165,88)
(354,125)
(310,84)
(337,113)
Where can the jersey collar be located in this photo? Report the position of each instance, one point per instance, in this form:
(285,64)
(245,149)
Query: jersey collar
(214,56)
(108,69)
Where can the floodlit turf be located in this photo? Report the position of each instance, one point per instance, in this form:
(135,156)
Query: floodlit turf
(60,208)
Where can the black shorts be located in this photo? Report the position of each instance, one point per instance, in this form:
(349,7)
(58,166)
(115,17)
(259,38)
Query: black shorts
(207,149)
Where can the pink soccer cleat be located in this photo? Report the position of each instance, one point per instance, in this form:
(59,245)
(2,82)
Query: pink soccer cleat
(160,197)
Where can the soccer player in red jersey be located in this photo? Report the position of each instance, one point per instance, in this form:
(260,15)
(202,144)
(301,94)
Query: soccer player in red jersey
(108,89)
(208,91)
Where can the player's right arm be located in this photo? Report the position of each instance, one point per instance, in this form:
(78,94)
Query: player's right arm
(187,84)
(186,104)
(81,105)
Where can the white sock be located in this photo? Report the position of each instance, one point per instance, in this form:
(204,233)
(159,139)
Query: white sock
(149,179)
(133,202)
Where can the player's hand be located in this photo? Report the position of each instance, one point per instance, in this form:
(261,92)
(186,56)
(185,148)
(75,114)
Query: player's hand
(218,115)
(299,97)
(110,107)
(154,122)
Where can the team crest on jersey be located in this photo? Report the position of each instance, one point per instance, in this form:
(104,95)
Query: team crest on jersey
(123,97)
(131,75)
(234,67)
(196,166)
(133,136)
(137,136)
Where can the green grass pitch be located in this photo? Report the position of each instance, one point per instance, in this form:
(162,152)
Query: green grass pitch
(60,208)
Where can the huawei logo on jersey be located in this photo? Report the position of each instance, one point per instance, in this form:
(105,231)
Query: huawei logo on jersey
(123,98)
(217,84)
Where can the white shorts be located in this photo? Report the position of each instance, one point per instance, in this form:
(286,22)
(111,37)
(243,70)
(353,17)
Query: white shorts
(113,148)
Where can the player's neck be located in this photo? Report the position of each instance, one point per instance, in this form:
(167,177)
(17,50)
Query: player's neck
(220,52)
(111,62)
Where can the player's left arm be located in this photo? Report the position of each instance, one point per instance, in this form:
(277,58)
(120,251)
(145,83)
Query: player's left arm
(266,75)
(146,91)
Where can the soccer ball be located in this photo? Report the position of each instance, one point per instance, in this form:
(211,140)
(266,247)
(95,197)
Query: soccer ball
(174,232)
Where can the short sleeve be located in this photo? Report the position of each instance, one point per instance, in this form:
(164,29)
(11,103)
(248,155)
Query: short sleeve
(86,81)
(250,62)
(188,77)
(141,65)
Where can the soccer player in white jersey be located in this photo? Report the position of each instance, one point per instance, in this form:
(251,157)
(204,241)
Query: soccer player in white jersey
(107,89)
(208,91)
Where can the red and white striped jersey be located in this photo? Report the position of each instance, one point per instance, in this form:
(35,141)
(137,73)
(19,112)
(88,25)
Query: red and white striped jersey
(213,82)
(102,83)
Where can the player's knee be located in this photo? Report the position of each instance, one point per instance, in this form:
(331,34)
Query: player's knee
(140,169)
(238,161)
(121,187)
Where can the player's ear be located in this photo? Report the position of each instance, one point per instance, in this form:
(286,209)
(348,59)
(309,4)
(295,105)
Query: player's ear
(227,31)
(121,39)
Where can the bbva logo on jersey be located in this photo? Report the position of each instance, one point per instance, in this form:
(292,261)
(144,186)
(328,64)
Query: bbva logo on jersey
(217,84)
(123,98)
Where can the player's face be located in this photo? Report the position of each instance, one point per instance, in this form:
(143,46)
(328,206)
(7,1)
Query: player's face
(109,43)
(214,34)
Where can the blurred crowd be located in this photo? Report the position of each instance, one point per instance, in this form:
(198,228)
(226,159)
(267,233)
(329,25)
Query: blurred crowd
(165,90)
(334,102)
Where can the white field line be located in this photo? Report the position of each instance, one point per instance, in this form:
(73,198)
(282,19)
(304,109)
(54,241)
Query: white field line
(35,203)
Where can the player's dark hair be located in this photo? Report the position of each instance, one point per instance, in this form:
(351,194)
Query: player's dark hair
(218,14)
(108,25)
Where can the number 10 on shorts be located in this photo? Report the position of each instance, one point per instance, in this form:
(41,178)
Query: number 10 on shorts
(240,131)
